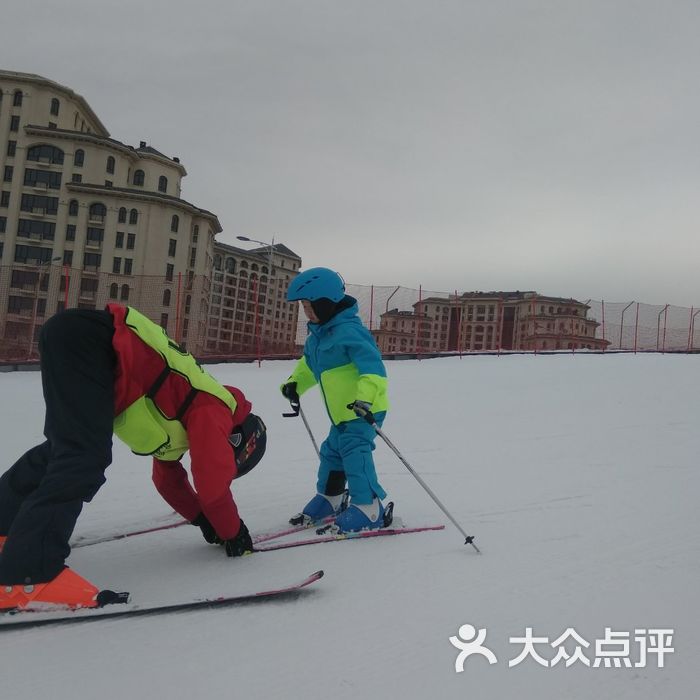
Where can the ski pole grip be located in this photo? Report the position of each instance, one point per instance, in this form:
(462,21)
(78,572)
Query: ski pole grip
(363,413)
(296,407)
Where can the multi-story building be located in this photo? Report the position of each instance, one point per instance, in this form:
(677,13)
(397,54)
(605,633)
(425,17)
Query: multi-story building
(85,219)
(482,321)
(249,312)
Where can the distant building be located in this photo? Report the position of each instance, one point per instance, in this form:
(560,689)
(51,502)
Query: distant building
(483,321)
(249,301)
(110,213)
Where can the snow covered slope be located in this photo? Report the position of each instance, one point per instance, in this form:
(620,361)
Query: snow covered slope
(578,475)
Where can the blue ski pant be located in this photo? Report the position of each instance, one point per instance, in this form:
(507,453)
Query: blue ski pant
(347,454)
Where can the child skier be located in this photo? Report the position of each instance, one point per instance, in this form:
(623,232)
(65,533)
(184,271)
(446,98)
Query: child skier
(342,357)
(116,371)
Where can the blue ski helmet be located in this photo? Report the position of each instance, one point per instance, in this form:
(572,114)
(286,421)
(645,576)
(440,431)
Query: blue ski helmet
(316,283)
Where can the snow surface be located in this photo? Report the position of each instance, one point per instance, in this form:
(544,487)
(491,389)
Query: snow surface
(577,474)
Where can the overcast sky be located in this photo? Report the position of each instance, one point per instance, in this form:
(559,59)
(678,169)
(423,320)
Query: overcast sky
(455,144)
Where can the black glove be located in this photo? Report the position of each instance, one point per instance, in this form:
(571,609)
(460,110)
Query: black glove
(207,529)
(361,409)
(289,391)
(240,544)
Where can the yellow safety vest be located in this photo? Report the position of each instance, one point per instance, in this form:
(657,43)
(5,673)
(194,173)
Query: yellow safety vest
(142,425)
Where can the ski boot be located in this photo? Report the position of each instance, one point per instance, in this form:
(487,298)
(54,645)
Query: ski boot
(68,589)
(364,517)
(319,508)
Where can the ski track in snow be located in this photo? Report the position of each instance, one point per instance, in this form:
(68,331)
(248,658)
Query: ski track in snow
(578,475)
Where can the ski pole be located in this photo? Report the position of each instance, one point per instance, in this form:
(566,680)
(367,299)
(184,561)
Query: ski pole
(308,430)
(468,539)
(298,411)
(367,415)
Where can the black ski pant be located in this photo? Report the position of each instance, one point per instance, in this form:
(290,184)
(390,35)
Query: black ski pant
(42,494)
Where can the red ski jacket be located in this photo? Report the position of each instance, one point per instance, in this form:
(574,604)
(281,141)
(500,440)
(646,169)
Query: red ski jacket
(208,423)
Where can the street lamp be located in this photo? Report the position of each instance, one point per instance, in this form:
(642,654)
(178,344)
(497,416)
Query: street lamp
(253,240)
(32,327)
(270,295)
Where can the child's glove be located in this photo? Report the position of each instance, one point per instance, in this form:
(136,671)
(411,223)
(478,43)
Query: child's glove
(362,410)
(289,391)
(240,544)
(207,529)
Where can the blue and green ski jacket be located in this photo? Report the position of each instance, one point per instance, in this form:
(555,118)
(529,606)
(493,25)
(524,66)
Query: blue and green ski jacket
(343,359)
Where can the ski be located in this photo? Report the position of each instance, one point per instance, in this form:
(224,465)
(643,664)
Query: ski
(298,524)
(27,619)
(264,537)
(362,534)
(89,541)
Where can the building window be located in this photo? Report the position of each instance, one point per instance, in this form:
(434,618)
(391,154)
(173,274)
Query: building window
(121,218)
(139,178)
(88,287)
(195,233)
(42,178)
(4,199)
(162,184)
(97,212)
(3,224)
(94,236)
(67,258)
(9,170)
(70,232)
(32,254)
(133,217)
(117,266)
(193,257)
(164,321)
(113,290)
(73,207)
(14,123)
(11,149)
(92,259)
(76,177)
(110,165)
(45,154)
(166,297)
(231,266)
(128,262)
(130,241)
(172,247)
(108,183)
(119,242)
(55,106)
(124,296)
(169,271)
(175,223)
(15,305)
(17,100)
(79,158)
(39,204)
